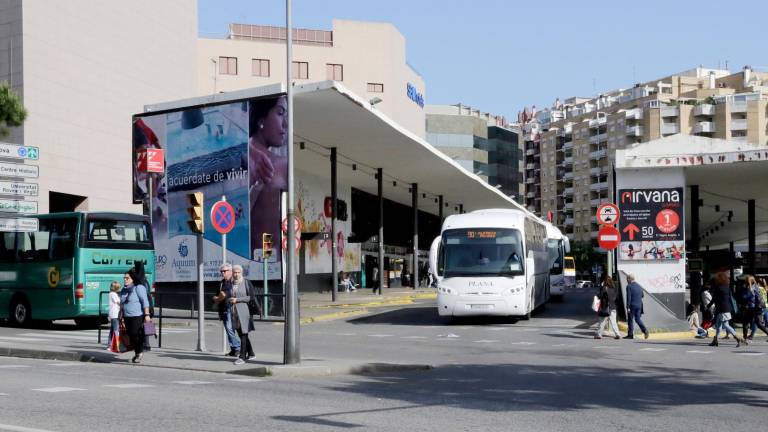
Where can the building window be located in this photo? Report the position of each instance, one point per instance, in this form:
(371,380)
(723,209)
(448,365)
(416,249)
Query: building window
(334,72)
(228,65)
(260,67)
(375,88)
(300,70)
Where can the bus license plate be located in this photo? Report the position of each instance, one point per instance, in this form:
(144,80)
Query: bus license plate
(481,306)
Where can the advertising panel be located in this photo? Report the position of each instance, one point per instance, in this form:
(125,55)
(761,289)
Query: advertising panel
(652,224)
(234,149)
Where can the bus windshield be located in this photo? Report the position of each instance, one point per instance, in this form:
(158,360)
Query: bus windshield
(117,234)
(483,252)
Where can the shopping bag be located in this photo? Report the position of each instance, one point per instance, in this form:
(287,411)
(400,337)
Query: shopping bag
(706,324)
(116,345)
(595,303)
(149,328)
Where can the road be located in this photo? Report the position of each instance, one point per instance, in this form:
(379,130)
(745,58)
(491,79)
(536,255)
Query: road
(546,374)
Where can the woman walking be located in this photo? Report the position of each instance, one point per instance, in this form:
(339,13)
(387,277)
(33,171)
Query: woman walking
(753,309)
(241,314)
(135,303)
(721,298)
(608,295)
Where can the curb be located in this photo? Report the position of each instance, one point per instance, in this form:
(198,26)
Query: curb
(281,371)
(333,316)
(662,334)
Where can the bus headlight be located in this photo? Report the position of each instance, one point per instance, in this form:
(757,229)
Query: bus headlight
(513,290)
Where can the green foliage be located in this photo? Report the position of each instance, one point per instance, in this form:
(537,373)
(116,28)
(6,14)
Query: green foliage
(12,112)
(585,256)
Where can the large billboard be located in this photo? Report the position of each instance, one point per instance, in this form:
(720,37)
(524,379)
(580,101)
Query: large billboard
(652,224)
(235,150)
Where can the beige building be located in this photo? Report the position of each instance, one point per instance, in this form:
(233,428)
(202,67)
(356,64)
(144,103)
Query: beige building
(369,58)
(570,147)
(83,68)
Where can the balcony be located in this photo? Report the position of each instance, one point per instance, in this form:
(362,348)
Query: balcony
(568,206)
(530,194)
(634,131)
(529,180)
(568,160)
(739,124)
(569,221)
(599,154)
(593,123)
(595,202)
(567,192)
(603,137)
(704,127)
(529,166)
(738,107)
(669,128)
(530,152)
(670,111)
(704,110)
(567,145)
(634,114)
(597,171)
(568,175)
(598,186)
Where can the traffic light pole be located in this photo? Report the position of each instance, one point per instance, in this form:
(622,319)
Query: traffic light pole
(291,335)
(200,301)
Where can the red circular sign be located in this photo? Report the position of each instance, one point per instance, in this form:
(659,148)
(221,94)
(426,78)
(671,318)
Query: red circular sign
(608,214)
(608,237)
(285,243)
(667,221)
(222,217)
(296,225)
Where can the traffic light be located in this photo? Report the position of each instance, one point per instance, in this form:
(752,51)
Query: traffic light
(266,245)
(195,209)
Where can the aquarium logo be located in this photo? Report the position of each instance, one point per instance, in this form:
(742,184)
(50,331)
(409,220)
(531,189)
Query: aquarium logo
(183,252)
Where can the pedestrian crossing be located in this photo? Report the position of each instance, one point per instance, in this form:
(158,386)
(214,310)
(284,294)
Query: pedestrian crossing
(87,336)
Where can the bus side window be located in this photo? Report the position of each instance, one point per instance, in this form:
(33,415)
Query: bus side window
(8,247)
(63,239)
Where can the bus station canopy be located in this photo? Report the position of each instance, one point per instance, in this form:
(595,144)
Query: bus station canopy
(329,115)
(728,173)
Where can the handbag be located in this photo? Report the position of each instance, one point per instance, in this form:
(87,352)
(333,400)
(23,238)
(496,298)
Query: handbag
(121,341)
(149,328)
(595,303)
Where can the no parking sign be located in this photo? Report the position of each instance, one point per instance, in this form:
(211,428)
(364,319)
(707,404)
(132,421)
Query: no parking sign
(222,217)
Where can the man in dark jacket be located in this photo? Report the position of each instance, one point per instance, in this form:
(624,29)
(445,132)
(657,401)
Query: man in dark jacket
(221,299)
(634,308)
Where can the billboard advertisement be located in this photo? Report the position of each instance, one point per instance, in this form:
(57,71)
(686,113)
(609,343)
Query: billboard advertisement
(235,150)
(652,224)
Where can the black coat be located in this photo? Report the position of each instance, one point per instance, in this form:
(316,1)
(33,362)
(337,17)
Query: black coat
(721,298)
(608,297)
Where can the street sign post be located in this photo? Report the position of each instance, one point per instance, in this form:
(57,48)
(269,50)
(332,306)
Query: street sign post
(19,225)
(223,220)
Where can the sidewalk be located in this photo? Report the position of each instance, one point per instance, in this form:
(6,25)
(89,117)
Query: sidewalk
(314,307)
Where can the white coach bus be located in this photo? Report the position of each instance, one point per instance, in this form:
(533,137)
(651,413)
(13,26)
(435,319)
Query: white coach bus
(557,246)
(491,262)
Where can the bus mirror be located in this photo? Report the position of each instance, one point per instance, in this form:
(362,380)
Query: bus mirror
(434,252)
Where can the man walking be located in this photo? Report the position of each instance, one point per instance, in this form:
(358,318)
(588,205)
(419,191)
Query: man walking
(634,307)
(225,308)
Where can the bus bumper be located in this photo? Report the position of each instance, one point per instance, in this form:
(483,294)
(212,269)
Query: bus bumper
(451,305)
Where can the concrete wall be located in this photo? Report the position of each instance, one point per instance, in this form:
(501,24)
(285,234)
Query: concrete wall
(87,67)
(369,53)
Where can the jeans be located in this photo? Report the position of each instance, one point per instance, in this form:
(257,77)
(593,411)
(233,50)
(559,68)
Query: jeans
(634,315)
(759,318)
(723,324)
(114,326)
(604,321)
(234,341)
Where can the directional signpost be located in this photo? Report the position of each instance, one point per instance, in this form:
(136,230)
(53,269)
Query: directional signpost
(608,237)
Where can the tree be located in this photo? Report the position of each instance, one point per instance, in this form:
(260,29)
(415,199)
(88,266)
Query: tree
(12,112)
(585,256)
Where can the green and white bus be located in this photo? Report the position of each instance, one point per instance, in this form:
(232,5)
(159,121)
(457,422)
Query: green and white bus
(59,271)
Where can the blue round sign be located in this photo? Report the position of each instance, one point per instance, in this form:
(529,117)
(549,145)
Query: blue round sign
(222,217)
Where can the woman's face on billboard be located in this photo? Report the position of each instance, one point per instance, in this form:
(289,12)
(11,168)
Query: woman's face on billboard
(276,124)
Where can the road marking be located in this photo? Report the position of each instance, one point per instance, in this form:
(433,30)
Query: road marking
(13,428)
(70,364)
(192,382)
(13,366)
(3,394)
(59,336)
(699,352)
(20,339)
(653,349)
(523,343)
(243,380)
(485,341)
(448,336)
(413,337)
(58,389)
(563,345)
(346,334)
(380,335)
(604,347)
(751,354)
(128,386)
(496,328)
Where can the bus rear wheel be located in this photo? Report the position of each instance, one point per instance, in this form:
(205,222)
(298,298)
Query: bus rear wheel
(20,313)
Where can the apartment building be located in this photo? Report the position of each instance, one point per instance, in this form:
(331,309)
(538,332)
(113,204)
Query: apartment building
(569,147)
(368,58)
(482,143)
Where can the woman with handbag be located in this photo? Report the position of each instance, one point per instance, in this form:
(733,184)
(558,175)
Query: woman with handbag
(241,313)
(607,310)
(135,312)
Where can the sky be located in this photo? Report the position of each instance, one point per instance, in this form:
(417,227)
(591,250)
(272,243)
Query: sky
(502,55)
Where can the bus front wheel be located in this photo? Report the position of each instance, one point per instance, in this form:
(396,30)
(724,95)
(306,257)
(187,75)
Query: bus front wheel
(20,313)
